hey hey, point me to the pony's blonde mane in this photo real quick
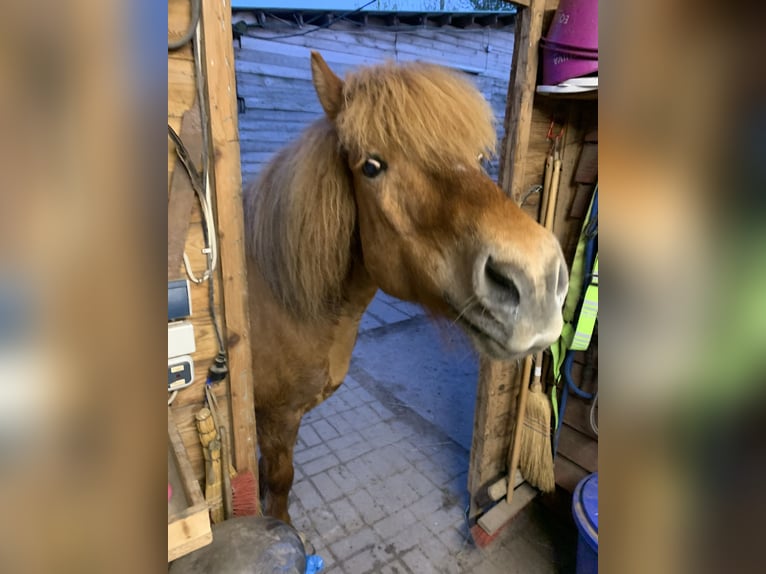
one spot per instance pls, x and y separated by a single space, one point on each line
432 114
301 215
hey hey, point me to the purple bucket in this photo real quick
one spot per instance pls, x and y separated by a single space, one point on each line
587 54
560 65
575 24
579 52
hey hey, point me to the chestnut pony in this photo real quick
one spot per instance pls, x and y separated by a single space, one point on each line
385 191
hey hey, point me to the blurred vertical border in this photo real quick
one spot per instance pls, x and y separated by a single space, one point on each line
82 236
682 449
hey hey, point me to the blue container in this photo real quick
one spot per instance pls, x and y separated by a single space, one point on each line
585 512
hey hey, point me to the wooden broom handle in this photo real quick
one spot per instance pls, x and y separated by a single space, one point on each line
522 411
550 190
553 194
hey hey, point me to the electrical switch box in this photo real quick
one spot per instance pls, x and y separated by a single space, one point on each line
180 372
179 300
180 339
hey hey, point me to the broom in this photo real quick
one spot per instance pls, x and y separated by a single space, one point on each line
240 488
211 449
536 456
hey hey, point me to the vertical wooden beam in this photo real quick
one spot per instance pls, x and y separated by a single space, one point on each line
521 94
499 383
218 59
495 405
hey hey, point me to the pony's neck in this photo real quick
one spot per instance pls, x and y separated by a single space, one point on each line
358 287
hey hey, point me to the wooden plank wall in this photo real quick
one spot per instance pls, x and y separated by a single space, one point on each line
499 382
577 454
578 446
274 77
181 97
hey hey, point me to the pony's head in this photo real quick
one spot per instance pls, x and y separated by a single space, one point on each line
434 228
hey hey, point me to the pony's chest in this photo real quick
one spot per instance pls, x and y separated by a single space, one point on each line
339 352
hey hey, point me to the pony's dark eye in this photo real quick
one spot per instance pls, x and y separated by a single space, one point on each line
372 166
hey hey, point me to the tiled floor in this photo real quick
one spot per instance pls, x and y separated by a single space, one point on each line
381 466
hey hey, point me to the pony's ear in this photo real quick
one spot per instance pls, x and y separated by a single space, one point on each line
328 86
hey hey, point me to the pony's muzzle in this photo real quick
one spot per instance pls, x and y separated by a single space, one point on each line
525 306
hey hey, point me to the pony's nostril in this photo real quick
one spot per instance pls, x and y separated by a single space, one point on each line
502 284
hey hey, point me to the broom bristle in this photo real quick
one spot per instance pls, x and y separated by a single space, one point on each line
536 458
244 498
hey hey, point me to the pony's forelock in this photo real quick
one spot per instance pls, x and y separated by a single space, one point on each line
432 114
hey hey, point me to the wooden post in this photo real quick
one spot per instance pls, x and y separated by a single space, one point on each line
521 95
499 383
495 404
218 63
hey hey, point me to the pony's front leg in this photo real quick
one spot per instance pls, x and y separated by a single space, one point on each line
277 433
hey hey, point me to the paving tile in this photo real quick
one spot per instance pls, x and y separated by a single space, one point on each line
360 540
365 469
394 523
385 312
409 537
369 560
454 540
385 298
318 465
339 401
426 505
442 519
391 456
434 549
325 430
350 383
435 473
401 429
342 426
308 436
326 409
410 309
326 486
361 417
344 478
488 567
384 413
344 440
297 473
419 482
363 395
369 322
353 451
376 429
418 562
394 567
326 527
368 508
347 515
301 519
307 494
397 494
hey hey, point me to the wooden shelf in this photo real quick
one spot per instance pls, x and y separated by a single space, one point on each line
579 96
188 517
